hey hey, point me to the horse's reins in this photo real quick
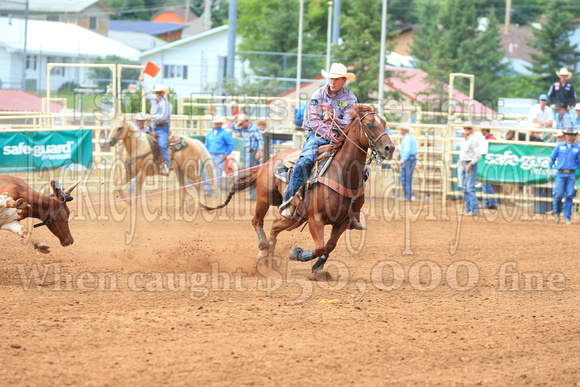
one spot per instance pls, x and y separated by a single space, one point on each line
372 142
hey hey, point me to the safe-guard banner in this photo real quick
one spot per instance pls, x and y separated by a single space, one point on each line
31 151
515 164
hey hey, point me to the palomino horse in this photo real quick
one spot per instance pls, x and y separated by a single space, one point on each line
333 200
140 162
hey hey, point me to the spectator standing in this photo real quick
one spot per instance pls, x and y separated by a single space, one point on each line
408 152
253 144
489 203
566 156
562 91
219 143
469 155
160 116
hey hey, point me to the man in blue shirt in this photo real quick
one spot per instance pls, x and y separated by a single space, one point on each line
220 144
566 155
160 115
253 144
408 152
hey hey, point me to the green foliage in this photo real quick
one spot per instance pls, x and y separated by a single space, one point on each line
239 88
103 76
553 44
449 42
523 86
361 46
272 26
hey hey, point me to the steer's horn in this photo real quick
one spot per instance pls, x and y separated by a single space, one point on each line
70 189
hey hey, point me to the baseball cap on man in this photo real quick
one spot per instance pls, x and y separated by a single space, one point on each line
543 97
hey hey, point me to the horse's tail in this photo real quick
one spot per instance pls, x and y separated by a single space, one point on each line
244 180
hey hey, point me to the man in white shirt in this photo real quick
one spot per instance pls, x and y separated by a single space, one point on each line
468 158
541 116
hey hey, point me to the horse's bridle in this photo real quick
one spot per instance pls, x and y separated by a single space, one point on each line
372 142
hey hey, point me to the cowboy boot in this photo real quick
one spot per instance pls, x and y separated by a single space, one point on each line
355 223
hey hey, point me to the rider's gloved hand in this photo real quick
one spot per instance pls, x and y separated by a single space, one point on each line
327 116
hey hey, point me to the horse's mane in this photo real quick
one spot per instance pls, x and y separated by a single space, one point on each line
357 112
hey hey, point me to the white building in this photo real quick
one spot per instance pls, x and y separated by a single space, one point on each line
193 65
51 42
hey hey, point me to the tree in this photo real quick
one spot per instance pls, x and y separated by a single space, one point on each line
553 43
272 26
360 49
449 41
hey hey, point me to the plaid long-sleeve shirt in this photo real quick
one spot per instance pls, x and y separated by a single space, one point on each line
252 136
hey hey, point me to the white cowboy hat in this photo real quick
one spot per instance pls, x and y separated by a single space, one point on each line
140 117
577 107
564 71
468 124
241 118
338 70
217 120
406 127
160 87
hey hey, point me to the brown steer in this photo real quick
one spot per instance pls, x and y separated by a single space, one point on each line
19 201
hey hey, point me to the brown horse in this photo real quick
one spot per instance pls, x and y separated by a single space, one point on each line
333 200
140 162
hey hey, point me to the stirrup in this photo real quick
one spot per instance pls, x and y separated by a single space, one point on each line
164 170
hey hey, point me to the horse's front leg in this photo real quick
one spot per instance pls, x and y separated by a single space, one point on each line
317 231
337 231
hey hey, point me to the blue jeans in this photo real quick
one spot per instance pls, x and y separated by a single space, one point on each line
407 176
218 160
564 189
488 189
304 164
468 182
252 162
162 135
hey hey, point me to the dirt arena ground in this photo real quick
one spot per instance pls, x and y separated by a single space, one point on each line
422 297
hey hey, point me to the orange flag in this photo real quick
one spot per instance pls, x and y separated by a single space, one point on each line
151 69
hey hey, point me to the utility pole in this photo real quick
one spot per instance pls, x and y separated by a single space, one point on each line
232 28
328 35
508 7
382 56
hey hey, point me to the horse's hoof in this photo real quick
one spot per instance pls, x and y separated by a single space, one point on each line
263 254
42 247
295 253
264 246
319 275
